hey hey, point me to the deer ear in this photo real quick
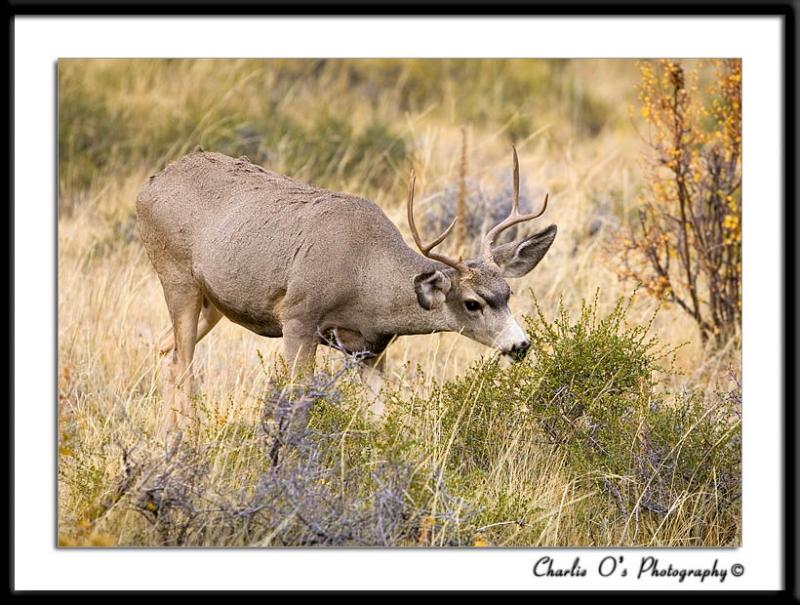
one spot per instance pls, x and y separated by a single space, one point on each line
516 259
432 288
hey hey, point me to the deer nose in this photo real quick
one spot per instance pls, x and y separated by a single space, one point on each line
519 350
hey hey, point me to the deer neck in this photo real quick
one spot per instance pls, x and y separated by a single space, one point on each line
400 311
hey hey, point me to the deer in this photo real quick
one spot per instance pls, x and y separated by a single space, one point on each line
282 258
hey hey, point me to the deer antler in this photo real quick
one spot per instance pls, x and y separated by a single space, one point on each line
513 218
459 264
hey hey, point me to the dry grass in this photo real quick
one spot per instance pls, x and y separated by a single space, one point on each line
140 114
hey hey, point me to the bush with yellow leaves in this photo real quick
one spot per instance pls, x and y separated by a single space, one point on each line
685 247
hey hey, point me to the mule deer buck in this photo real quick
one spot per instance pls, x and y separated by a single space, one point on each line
286 259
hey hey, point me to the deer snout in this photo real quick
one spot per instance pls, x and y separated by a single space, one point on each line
514 342
519 350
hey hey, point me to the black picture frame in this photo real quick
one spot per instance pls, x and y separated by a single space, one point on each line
784 9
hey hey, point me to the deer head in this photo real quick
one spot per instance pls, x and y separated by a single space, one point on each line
473 294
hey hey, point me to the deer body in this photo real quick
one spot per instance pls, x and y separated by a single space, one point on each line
285 259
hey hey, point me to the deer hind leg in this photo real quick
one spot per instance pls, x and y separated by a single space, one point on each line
184 302
209 317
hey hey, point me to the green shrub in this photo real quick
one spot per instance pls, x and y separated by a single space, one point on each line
594 389
480 413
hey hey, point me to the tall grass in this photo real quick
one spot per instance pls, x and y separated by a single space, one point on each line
356 126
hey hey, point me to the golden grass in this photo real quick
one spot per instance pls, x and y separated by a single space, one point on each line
111 309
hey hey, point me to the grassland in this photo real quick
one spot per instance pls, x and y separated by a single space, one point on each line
448 466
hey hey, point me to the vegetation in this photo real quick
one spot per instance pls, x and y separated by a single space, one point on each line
687 245
622 426
454 468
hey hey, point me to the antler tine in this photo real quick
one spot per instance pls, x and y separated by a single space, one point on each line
426 249
514 216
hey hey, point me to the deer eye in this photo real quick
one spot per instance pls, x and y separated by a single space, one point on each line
472 305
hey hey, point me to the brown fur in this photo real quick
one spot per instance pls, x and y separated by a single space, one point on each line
283 258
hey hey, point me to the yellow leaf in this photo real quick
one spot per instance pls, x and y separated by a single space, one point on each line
480 541
425 527
66 541
102 540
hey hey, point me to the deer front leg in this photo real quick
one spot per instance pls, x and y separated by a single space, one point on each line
291 413
372 374
300 348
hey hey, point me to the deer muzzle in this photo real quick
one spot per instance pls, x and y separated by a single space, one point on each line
513 341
